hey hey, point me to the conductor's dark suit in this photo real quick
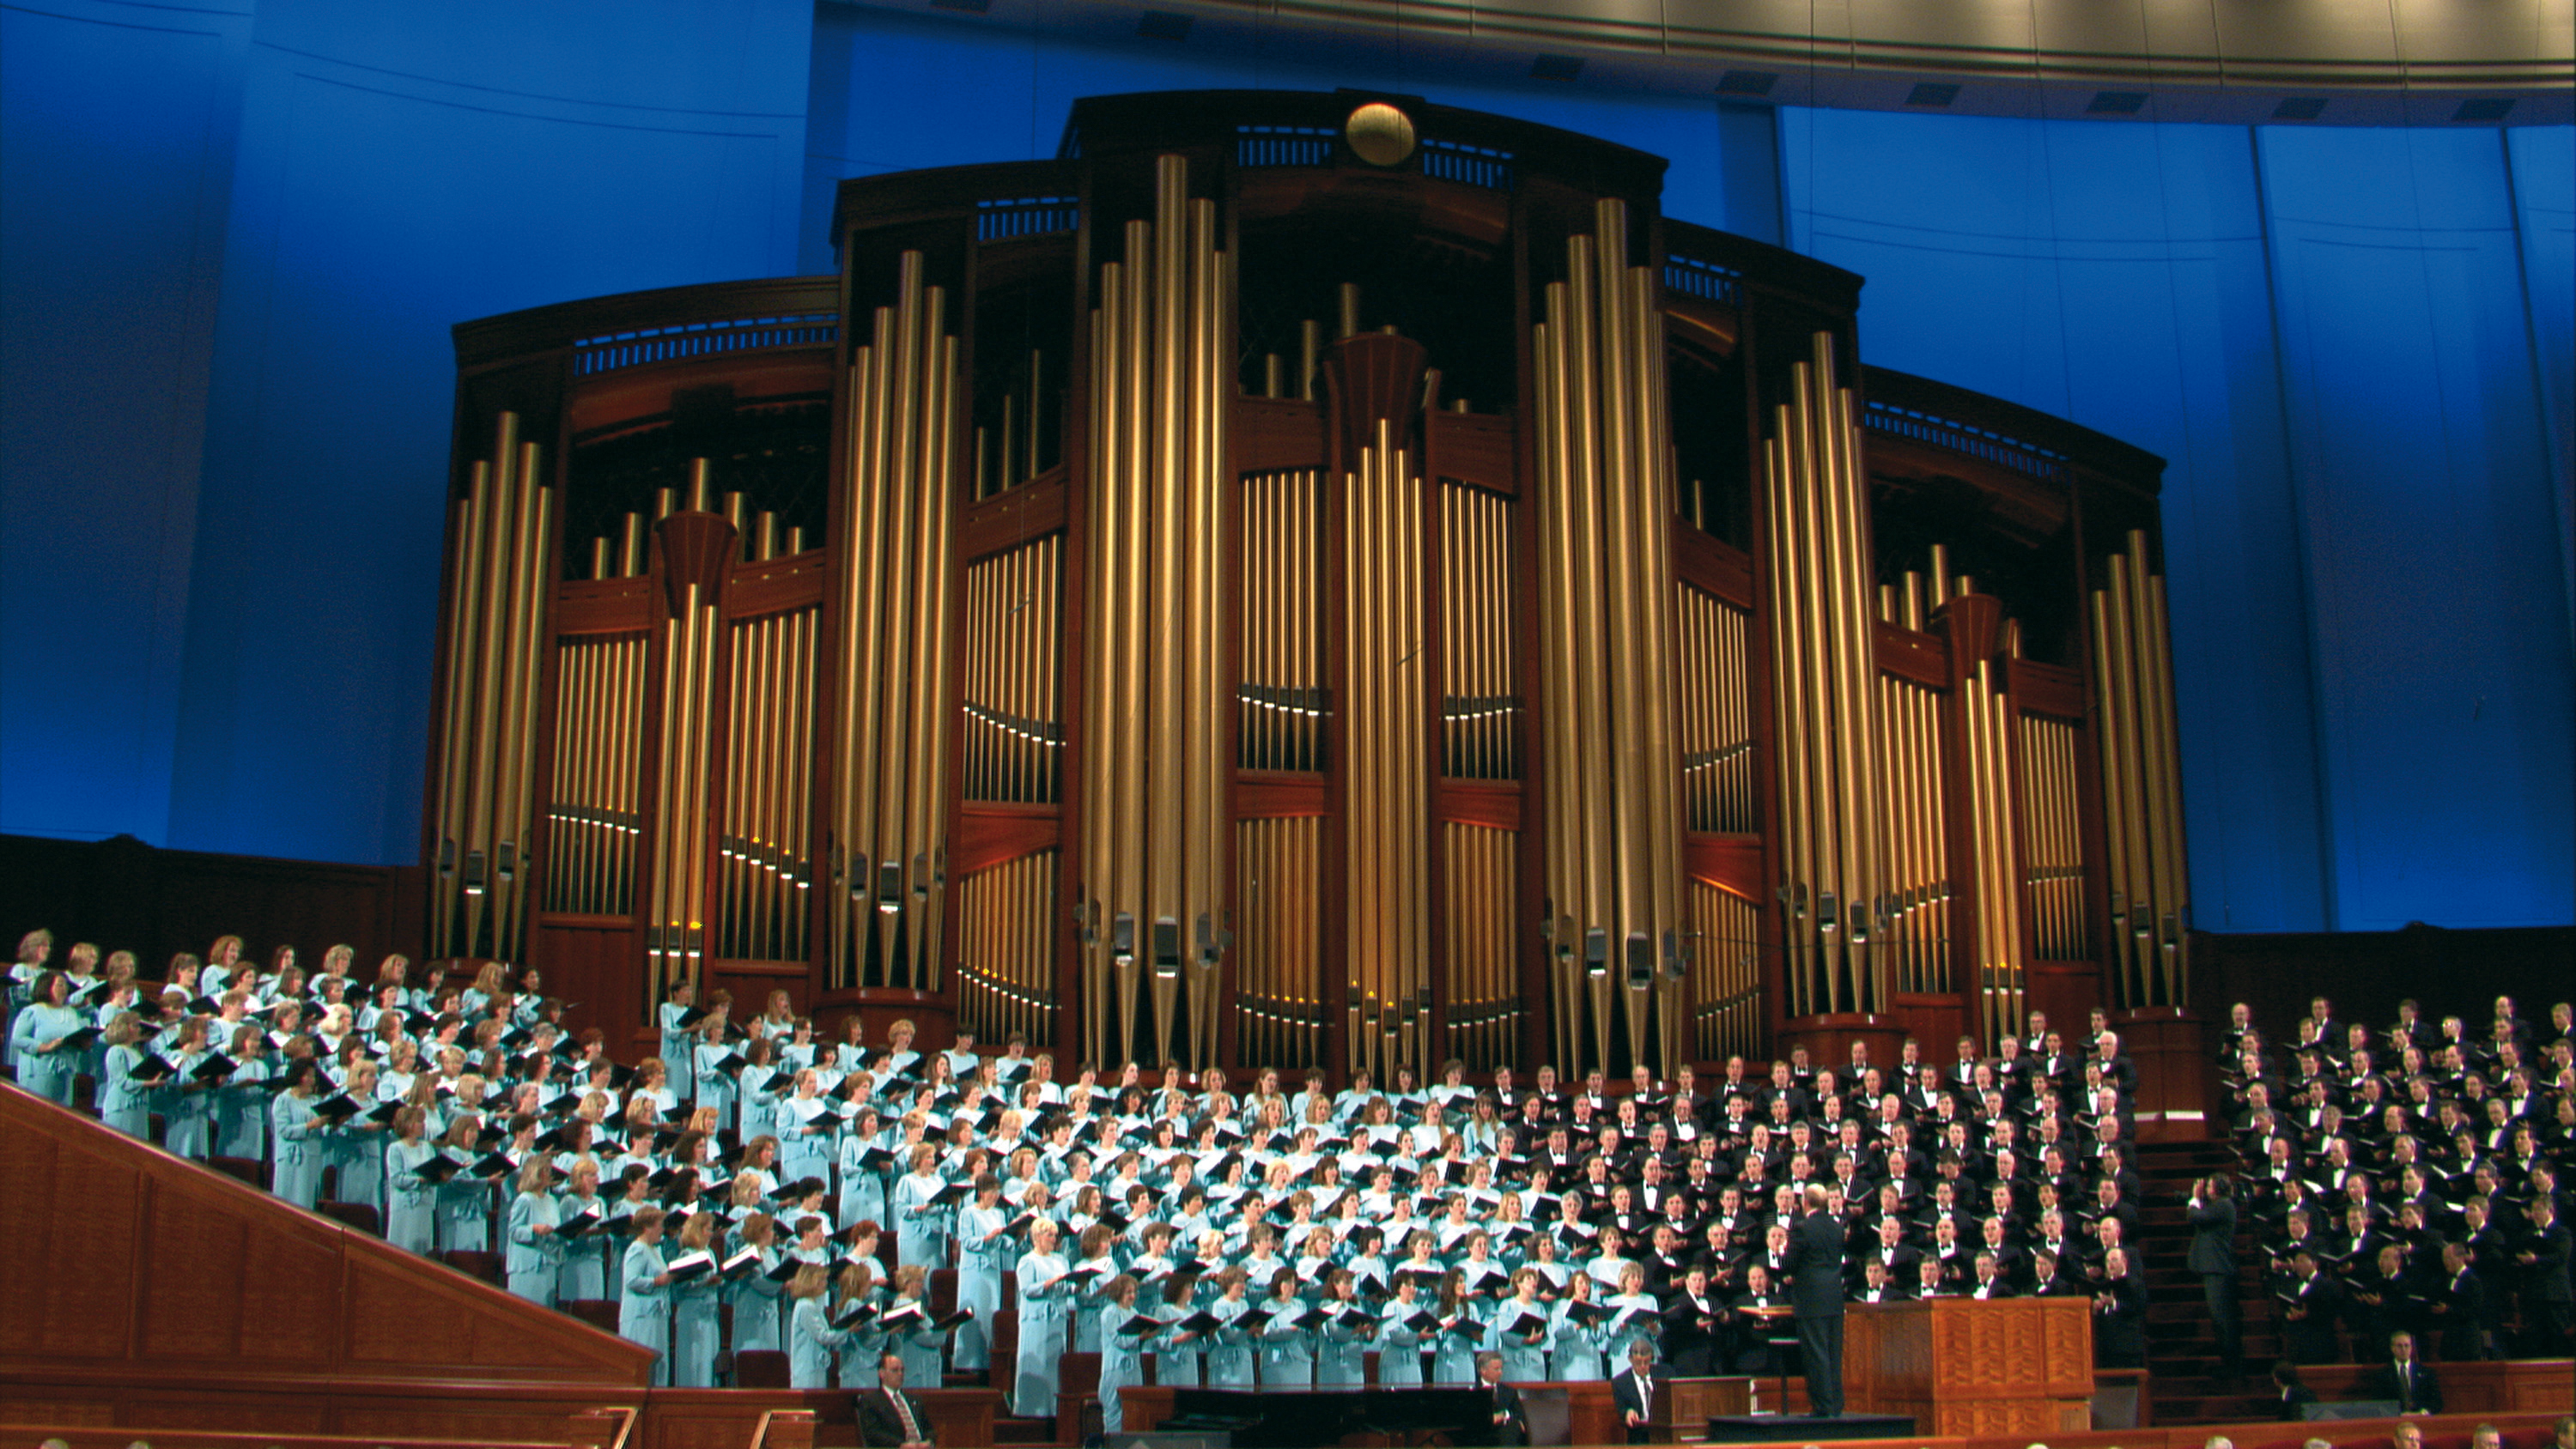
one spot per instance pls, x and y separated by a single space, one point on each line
1630 1394
1815 1266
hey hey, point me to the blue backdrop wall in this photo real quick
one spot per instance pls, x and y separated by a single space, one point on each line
236 233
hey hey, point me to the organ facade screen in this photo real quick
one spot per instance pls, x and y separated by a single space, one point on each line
1307 580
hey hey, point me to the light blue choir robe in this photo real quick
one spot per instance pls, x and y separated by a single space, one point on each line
47 1074
1574 1350
1287 1352
1341 1351
675 1042
122 1102
358 1154
921 1230
980 1265
1042 1307
1453 1361
1122 1362
863 1189
534 1260
755 1297
644 1307
584 1274
695 1332
241 1112
1399 1349
465 1213
920 1345
811 1338
1230 1352
302 1142
713 1087
411 1200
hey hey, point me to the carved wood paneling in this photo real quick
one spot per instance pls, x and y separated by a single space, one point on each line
137 1261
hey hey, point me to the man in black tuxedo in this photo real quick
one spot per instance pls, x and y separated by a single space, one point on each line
1506 1421
1815 1265
1632 1392
889 1418
2213 1259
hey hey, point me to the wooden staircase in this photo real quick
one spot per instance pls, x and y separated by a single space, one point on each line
2182 1349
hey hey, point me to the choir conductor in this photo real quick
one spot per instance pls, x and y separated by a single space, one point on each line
1815 1264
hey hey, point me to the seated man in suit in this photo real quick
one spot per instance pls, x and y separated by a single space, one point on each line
889 1418
2405 1379
1507 1423
1632 1392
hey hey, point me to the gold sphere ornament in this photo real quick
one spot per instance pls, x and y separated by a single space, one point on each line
1379 134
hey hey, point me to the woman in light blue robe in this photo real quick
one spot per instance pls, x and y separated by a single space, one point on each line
411 1218
46 1066
1287 1350
643 1304
124 1103
920 1221
811 1338
584 1274
694 1324
1122 1354
1044 1294
1230 1352
753 1293
984 1247
534 1258
1341 1357
1399 1343
1574 1347
301 1137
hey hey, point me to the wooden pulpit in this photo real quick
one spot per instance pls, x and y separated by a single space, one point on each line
2020 1366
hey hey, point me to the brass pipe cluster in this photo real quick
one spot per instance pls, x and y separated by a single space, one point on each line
1282 695
1386 776
1482 895
1726 974
1480 704
763 877
675 938
1914 723
1014 743
2052 837
593 821
1834 834
1985 716
1606 642
1154 788
1717 715
1278 962
889 787
498 588
1006 949
2149 939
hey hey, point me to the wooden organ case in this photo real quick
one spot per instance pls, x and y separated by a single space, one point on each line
1299 580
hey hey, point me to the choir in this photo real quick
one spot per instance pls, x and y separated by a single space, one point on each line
1241 1229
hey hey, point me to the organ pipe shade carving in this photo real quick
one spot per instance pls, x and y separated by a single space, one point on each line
1605 604
1006 949
1833 824
1279 951
1385 831
1014 743
2052 837
595 820
1481 898
763 880
2148 943
1726 973
1480 705
889 808
1716 715
1157 730
499 583
1284 703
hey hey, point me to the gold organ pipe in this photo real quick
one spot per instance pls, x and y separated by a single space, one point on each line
2137 827
2177 964
492 622
2163 823
599 557
1348 300
630 546
463 606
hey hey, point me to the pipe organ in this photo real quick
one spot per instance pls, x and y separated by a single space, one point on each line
1318 581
